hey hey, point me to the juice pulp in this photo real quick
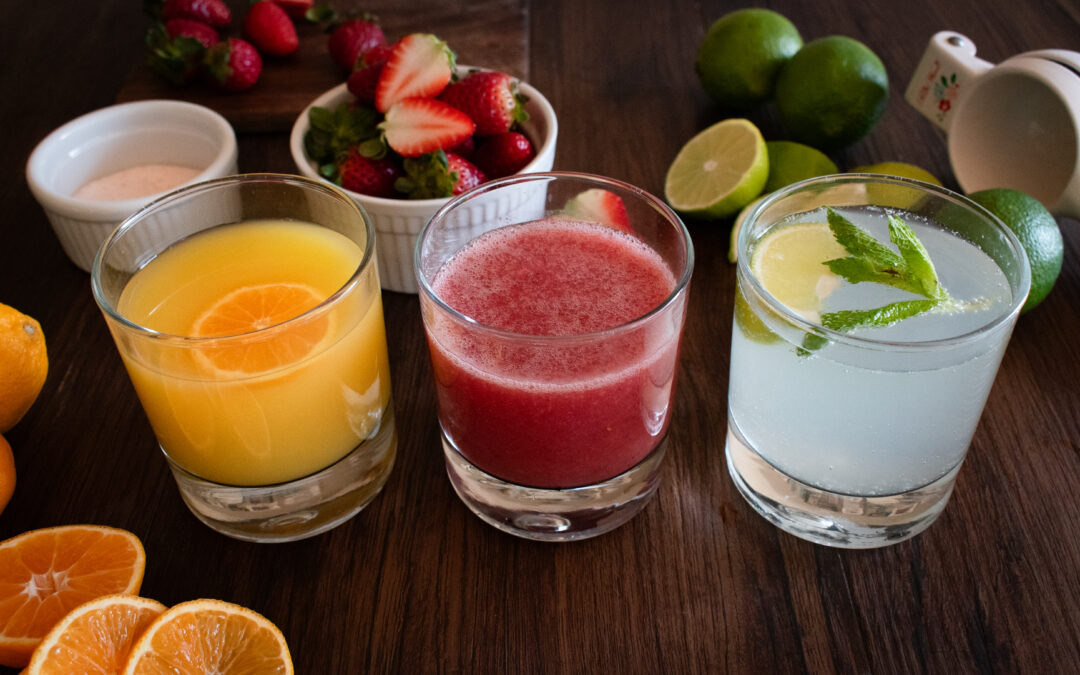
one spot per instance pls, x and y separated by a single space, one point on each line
873 421
273 425
555 410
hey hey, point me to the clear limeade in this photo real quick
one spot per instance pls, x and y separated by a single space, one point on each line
873 421
219 412
538 413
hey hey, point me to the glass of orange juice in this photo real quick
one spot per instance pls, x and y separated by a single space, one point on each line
247 311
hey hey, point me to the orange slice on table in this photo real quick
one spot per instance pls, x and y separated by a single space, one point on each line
210 636
256 308
46 573
95 637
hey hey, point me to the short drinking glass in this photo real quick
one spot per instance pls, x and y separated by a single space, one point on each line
248 314
554 307
852 435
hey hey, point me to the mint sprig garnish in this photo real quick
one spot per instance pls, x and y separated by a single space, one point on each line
869 260
849 319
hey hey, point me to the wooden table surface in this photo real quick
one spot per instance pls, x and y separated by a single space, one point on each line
697 582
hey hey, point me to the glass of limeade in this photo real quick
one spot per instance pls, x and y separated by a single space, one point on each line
554 334
853 436
248 313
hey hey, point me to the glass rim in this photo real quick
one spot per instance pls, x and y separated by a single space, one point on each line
812 327
681 283
133 220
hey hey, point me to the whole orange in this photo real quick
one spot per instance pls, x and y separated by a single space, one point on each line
23 365
7 473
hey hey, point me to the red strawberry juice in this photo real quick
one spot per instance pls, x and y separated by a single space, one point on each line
554 390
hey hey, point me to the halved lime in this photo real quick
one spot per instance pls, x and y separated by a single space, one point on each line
789 162
789 262
718 171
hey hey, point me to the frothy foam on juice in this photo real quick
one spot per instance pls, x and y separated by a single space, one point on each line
555 277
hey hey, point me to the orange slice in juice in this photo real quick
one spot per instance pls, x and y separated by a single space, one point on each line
250 309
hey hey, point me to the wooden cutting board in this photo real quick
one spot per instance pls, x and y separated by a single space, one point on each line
493 39
284 89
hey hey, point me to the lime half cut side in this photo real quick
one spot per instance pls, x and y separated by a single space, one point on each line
789 262
718 171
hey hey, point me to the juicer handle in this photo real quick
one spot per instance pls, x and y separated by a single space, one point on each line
946 73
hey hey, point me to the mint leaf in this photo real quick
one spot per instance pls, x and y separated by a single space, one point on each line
916 258
849 319
871 261
856 270
861 244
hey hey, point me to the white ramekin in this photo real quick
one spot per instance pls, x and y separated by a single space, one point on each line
113 139
398 221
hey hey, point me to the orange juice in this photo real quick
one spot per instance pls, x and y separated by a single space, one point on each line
269 383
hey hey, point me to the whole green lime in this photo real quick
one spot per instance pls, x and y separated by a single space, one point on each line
901 169
1037 231
791 162
832 92
741 56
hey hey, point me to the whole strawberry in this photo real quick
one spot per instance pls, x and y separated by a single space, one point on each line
368 176
465 174
211 12
176 56
438 174
194 29
352 38
489 98
233 64
363 81
504 154
297 9
270 29
466 148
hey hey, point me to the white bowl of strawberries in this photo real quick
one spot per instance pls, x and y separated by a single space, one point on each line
410 129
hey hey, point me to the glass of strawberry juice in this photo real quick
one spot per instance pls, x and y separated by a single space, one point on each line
554 335
248 314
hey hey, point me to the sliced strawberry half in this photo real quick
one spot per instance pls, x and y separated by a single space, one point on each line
420 65
599 206
414 126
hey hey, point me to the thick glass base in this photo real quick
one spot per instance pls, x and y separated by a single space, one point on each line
553 514
830 518
299 509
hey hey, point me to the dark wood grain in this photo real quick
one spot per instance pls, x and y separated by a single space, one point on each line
493 30
697 582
